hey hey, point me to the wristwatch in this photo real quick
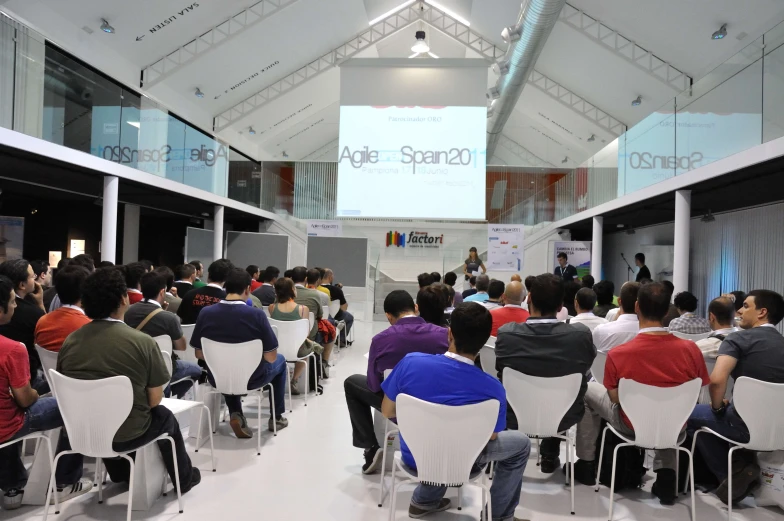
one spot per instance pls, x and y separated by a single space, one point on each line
720 410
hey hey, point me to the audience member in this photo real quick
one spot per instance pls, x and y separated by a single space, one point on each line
83 260
104 264
604 290
41 272
312 299
688 322
266 292
587 281
512 311
51 292
336 293
471 289
516 278
199 298
287 274
326 325
148 267
186 276
232 321
740 298
452 379
424 280
625 327
254 273
672 312
653 357
198 283
584 303
150 316
172 301
643 273
431 303
322 288
482 285
436 276
721 315
565 270
544 347
407 333
22 412
106 347
53 328
450 279
570 292
529 282
133 277
757 351
495 295
313 281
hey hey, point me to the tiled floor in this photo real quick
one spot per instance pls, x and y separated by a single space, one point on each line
310 471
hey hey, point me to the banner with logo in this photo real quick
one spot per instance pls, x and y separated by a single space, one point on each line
11 237
317 228
414 239
578 255
505 247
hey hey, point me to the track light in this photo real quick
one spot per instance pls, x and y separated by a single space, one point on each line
565 159
199 94
708 217
105 27
720 34
511 34
501 67
592 138
493 93
251 131
636 102
420 45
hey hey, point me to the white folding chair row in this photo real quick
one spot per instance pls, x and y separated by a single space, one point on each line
291 335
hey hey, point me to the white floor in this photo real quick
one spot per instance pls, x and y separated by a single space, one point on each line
310 471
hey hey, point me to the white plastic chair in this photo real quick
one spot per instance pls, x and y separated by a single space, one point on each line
705 398
658 415
539 405
166 346
445 441
754 400
597 367
693 338
189 355
311 320
334 309
487 358
93 411
48 360
291 335
389 429
42 435
231 366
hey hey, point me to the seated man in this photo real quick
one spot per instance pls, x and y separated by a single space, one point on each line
452 379
512 311
266 292
482 285
407 333
431 303
22 412
106 347
604 290
254 273
84 260
424 280
41 271
53 328
757 351
653 357
495 292
336 293
199 267
544 347
186 275
172 301
584 302
450 279
149 316
623 328
688 322
206 295
133 276
233 321
471 288
721 315
312 300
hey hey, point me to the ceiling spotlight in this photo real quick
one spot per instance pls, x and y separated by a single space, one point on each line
708 217
420 45
511 34
285 154
493 93
636 102
105 27
251 131
199 94
592 138
501 67
720 34
565 159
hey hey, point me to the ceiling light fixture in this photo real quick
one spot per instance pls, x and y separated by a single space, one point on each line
708 217
449 13
199 94
251 131
432 55
636 102
421 45
720 34
501 67
493 93
592 138
105 27
374 21
511 34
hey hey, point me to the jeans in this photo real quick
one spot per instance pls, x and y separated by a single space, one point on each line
348 318
274 373
510 452
182 369
712 449
43 415
359 399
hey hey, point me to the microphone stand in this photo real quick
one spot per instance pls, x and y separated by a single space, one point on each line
629 268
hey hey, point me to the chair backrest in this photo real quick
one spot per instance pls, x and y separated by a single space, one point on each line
693 338
266 311
291 335
597 367
334 308
487 358
165 343
540 403
48 360
311 320
92 410
187 333
491 341
658 413
445 440
756 402
232 364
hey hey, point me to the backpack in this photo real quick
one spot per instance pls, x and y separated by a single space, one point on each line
630 464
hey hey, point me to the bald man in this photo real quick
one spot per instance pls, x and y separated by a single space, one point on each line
512 311
516 278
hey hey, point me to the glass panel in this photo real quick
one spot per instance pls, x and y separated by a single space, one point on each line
773 85
244 179
206 162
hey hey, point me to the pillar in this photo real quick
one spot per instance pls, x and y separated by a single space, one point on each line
596 248
680 270
131 234
111 189
217 238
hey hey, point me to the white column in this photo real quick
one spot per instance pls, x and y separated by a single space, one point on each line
596 248
131 234
111 189
680 271
217 227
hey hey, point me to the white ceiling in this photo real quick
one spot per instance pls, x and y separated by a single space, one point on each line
304 120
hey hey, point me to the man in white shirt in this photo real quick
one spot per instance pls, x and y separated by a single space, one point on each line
584 302
625 327
721 315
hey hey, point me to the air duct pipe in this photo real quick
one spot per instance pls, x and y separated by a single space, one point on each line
526 39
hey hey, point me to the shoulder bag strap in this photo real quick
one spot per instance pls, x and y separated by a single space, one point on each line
148 318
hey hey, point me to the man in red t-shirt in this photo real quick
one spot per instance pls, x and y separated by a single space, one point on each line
512 311
22 412
653 357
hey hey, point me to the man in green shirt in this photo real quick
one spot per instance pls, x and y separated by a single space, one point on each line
198 283
108 347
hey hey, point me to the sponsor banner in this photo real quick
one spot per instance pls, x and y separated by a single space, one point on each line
505 247
578 255
318 228
414 239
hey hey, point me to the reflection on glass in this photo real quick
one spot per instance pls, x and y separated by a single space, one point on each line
646 154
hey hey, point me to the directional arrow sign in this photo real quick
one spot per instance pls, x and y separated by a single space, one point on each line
139 38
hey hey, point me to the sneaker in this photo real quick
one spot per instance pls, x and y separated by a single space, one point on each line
584 472
281 423
195 480
81 487
295 387
664 486
743 482
373 457
325 367
240 426
416 512
12 499
549 464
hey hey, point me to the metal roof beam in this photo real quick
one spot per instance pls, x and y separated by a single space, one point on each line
523 153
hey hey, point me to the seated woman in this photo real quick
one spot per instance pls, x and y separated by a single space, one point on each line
285 309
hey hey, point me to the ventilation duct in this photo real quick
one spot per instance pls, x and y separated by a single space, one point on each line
526 39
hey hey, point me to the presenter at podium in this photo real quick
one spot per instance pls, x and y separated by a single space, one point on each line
472 264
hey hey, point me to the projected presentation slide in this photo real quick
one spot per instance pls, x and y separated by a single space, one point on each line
412 162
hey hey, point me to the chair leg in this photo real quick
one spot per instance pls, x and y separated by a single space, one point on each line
176 474
288 381
612 480
99 478
307 378
677 469
573 449
601 457
51 489
729 483
568 467
272 408
691 472
198 430
258 412
130 489
690 475
460 498
538 452
212 446
383 463
393 492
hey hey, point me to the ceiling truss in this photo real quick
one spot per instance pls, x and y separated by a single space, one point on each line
523 153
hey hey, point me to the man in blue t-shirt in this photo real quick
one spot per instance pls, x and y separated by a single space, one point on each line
233 321
452 379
